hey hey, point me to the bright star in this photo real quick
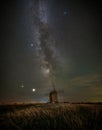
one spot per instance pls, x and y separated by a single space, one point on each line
33 90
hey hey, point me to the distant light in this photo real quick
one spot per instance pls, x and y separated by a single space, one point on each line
33 89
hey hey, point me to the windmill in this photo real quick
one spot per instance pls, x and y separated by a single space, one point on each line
53 95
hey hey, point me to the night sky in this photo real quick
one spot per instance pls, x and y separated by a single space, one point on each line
64 43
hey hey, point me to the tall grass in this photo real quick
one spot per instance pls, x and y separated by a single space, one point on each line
50 117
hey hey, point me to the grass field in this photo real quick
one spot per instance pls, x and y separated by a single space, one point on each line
61 116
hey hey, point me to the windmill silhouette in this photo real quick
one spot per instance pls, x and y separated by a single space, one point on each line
53 94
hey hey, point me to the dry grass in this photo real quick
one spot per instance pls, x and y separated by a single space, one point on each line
50 117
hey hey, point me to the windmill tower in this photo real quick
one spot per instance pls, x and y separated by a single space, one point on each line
53 95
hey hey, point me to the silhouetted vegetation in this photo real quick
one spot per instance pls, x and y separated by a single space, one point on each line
62 116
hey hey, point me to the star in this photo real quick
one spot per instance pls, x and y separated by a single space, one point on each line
33 90
65 13
31 44
22 86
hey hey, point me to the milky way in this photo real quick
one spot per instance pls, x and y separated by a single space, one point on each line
46 50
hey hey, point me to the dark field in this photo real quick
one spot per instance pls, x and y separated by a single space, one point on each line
62 116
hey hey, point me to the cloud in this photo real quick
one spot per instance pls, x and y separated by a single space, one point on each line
87 80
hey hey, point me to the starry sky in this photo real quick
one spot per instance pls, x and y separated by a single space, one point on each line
65 39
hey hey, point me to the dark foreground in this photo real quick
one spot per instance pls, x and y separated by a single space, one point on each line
61 116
